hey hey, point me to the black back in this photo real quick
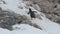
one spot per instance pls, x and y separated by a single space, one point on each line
32 14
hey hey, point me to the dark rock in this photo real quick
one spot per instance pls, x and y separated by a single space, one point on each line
8 18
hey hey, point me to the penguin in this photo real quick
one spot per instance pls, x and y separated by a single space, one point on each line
32 14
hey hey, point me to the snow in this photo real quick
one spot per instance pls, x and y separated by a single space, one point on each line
27 29
22 29
48 26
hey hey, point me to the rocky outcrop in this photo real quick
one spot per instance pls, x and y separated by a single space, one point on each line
9 18
51 8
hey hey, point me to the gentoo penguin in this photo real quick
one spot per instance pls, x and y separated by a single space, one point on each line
32 14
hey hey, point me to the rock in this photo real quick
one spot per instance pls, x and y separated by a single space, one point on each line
51 8
8 18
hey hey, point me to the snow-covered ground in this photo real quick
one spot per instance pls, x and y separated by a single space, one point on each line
22 29
48 27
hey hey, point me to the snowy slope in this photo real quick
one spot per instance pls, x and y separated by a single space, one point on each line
22 29
47 26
